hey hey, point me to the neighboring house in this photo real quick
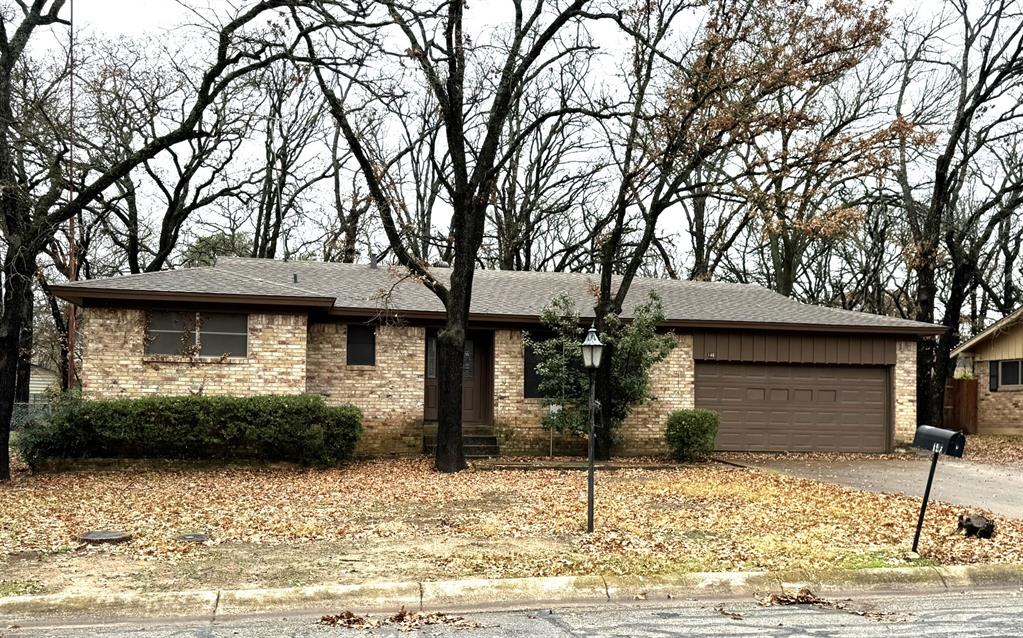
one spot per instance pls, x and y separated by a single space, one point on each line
995 358
41 382
783 375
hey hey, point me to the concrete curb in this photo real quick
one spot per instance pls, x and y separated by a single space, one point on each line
504 593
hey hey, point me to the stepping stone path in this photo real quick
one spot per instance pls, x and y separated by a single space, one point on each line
100 536
194 538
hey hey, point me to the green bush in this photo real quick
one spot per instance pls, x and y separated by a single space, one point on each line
691 433
302 429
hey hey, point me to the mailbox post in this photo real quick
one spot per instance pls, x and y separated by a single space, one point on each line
938 442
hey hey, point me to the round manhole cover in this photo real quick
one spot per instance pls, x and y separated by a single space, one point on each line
99 536
197 537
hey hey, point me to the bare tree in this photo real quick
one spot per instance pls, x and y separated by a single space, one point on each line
35 179
721 79
961 89
446 63
289 168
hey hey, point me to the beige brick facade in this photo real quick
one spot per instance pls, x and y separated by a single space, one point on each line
114 364
905 391
517 419
672 384
289 355
999 412
390 393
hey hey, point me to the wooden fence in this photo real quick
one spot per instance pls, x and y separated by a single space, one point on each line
961 405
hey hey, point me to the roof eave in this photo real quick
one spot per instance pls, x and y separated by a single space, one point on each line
78 294
986 334
922 329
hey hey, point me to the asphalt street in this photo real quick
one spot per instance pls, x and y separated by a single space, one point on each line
988 613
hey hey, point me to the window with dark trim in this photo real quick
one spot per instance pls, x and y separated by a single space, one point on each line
1011 373
204 334
362 345
530 360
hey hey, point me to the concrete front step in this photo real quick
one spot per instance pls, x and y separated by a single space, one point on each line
479 441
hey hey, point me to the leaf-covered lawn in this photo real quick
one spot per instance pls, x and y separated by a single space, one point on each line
399 519
995 449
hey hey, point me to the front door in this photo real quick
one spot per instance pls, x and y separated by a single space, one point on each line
475 379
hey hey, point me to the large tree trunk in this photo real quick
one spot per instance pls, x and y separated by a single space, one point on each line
450 453
604 431
22 391
605 399
926 292
19 268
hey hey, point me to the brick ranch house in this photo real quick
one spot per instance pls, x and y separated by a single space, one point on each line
995 358
783 375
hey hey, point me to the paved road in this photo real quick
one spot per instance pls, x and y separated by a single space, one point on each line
998 488
988 614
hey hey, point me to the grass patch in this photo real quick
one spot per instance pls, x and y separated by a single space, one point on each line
878 559
20 588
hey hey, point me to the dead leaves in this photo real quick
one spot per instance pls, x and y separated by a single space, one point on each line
994 449
404 620
806 597
493 524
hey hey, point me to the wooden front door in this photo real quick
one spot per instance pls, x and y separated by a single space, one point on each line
475 379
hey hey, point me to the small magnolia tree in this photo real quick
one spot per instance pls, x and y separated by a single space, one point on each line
564 381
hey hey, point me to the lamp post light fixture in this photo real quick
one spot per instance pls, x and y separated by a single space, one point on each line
593 351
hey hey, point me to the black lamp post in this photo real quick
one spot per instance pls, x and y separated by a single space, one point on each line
593 350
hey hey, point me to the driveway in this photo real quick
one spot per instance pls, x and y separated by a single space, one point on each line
998 488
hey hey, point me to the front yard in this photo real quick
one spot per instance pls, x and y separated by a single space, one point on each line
398 520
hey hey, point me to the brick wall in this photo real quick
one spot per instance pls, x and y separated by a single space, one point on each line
999 412
517 419
114 364
673 388
390 393
905 391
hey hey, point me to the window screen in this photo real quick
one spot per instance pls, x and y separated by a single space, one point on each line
171 333
1010 373
362 345
207 334
223 334
530 377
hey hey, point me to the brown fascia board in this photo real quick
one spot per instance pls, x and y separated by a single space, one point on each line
77 295
720 325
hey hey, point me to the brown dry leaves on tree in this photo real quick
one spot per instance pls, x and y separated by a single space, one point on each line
496 524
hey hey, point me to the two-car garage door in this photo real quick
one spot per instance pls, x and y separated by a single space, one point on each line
796 407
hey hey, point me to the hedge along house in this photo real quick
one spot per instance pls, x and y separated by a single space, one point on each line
783 375
995 358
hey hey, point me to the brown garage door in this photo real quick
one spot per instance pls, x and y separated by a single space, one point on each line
795 407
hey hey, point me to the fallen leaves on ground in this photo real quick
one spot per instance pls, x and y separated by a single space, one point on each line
404 620
493 524
806 597
998 450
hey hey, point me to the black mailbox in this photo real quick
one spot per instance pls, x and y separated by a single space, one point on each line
940 441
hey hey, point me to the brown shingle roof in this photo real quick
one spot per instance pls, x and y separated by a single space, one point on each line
497 294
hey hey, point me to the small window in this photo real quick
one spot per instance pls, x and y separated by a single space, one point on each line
206 334
431 357
530 361
362 345
1010 373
